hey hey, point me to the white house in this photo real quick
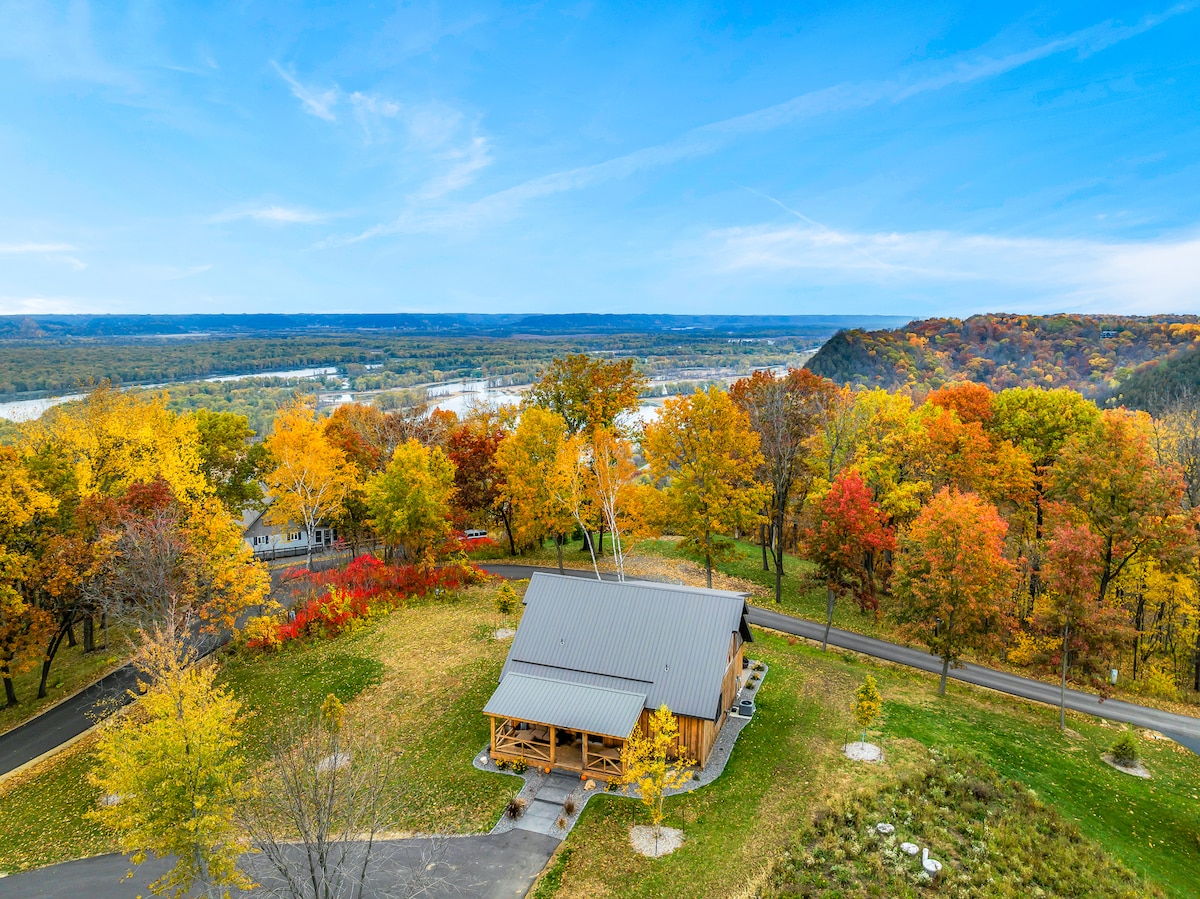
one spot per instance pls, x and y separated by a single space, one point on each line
272 541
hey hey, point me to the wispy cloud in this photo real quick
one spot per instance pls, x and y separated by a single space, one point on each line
46 306
279 215
55 252
709 138
1126 275
314 100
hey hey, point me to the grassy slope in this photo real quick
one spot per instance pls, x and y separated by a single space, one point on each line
426 669
786 762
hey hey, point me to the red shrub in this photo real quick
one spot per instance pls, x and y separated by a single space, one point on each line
328 602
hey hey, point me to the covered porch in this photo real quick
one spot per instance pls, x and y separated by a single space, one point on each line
544 744
560 724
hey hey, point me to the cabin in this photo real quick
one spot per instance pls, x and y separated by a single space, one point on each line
270 541
592 660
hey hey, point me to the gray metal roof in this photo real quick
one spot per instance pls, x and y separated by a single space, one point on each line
673 640
597 710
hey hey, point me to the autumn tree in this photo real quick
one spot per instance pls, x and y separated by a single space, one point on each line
472 446
230 460
170 774
786 413
310 477
867 704
655 762
111 440
952 580
24 626
588 393
705 453
410 500
1087 633
845 542
530 464
1107 476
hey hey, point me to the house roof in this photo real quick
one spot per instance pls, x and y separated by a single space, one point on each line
666 642
597 710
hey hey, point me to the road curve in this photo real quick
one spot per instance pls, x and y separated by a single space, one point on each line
1183 729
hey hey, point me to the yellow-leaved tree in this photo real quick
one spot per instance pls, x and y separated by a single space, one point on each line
169 776
867 704
703 449
656 762
309 476
409 501
24 626
111 440
529 460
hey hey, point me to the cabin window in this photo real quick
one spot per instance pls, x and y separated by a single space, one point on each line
292 536
261 540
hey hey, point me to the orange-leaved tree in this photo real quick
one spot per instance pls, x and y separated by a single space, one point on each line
953 585
704 451
845 541
1108 477
309 476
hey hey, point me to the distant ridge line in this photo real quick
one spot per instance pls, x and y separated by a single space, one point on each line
33 327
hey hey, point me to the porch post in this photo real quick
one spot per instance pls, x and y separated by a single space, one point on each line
492 745
552 742
586 739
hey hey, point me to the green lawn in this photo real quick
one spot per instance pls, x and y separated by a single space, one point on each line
786 764
1153 825
420 675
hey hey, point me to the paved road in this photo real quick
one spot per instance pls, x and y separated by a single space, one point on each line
503 866
74 716
1183 729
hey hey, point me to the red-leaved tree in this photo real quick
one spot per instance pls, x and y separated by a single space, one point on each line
1090 632
845 543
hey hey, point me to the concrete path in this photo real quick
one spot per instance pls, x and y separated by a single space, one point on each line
1183 729
546 806
502 866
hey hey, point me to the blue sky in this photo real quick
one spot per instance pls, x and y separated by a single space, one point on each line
897 158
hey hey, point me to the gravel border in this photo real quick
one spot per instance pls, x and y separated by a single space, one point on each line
719 756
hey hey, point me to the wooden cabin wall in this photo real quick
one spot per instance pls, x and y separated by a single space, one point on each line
697 735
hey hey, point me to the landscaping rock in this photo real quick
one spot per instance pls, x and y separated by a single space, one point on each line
1137 769
642 839
863 752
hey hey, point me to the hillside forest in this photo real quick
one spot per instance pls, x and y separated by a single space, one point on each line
1092 354
1010 526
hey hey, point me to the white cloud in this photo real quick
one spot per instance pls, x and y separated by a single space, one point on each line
281 215
1134 276
315 101
173 273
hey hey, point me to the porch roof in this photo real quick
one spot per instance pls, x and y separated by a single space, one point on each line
583 707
